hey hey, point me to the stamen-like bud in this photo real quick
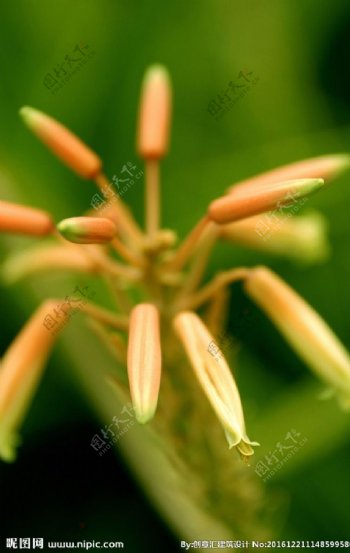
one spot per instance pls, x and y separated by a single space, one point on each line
155 113
21 369
324 167
87 230
215 378
64 144
144 360
251 201
20 219
303 328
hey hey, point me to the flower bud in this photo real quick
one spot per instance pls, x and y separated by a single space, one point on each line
251 201
302 238
303 328
215 378
20 219
144 360
324 167
155 113
87 230
20 373
63 143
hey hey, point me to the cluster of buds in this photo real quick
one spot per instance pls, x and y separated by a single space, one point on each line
110 243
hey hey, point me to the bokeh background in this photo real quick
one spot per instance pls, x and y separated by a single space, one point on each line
60 488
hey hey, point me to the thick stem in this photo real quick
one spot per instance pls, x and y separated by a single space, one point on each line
152 197
120 322
109 266
199 263
221 280
189 245
124 251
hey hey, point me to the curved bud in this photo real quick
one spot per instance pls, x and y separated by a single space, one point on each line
87 230
20 219
215 378
144 360
47 258
63 143
302 238
20 373
155 113
303 328
324 167
251 201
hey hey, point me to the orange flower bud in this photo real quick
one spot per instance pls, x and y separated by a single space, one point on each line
64 144
20 219
144 360
254 200
87 230
155 112
303 328
323 167
20 373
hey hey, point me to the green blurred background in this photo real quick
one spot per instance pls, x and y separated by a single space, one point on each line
60 488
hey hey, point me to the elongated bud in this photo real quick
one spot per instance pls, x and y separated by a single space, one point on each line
64 144
155 113
215 378
324 167
302 238
87 230
20 373
303 328
144 360
20 219
46 258
248 202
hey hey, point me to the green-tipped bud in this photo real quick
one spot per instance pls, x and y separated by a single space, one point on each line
155 113
248 201
62 142
87 230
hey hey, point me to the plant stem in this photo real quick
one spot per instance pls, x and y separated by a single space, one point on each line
152 199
